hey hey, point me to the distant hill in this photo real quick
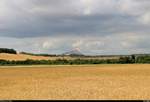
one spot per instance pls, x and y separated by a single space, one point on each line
75 52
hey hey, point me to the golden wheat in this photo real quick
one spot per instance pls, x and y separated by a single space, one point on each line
75 82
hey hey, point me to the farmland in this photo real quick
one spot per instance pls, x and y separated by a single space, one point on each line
22 57
75 82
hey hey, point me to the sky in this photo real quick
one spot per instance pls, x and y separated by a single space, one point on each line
96 27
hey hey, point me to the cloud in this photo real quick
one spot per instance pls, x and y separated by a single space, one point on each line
47 45
113 44
34 18
94 26
145 19
77 44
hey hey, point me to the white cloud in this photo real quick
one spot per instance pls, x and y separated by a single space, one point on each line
77 44
94 44
134 7
145 18
47 45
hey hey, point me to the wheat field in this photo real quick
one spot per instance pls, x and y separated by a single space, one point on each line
75 82
22 57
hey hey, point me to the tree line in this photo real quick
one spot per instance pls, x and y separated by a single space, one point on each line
6 50
122 60
32 54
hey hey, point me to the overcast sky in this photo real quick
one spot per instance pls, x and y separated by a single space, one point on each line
93 26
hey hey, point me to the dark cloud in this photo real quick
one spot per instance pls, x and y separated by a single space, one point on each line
78 25
33 18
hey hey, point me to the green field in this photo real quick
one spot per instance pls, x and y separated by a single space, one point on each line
75 82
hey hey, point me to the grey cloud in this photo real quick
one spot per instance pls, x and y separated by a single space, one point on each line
80 25
33 18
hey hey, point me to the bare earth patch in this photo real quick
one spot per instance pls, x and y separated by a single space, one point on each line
76 82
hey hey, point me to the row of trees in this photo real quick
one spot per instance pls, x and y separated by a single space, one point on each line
6 50
122 60
143 59
55 62
32 54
